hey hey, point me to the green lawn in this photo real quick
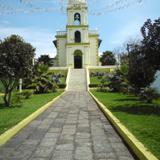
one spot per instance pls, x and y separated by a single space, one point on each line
95 79
62 72
142 119
11 116
100 70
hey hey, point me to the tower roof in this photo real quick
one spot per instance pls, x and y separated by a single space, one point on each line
76 1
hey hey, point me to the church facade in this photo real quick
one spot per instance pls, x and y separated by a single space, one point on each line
77 47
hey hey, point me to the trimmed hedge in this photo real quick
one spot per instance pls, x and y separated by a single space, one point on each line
61 86
93 85
97 85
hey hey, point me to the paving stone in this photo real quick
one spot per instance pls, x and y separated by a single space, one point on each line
83 153
105 155
48 142
62 155
86 140
54 130
51 135
73 128
43 151
83 129
38 159
82 135
65 147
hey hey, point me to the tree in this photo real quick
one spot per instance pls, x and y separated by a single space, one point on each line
42 80
46 60
124 59
108 58
151 42
140 73
16 58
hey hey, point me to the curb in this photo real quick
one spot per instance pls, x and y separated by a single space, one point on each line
136 146
14 130
67 79
88 78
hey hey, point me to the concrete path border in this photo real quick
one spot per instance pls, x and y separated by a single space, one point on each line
67 79
136 146
14 130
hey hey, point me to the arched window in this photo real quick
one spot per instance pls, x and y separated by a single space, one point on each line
77 19
77 37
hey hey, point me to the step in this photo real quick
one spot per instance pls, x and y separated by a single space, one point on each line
77 80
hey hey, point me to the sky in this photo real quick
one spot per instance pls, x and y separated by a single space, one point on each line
39 28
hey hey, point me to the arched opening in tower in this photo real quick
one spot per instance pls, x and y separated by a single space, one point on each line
77 19
77 37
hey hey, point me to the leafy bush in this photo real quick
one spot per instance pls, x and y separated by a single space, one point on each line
17 99
56 78
42 81
19 96
93 85
115 82
27 94
97 74
108 58
61 86
149 94
103 88
1 87
53 88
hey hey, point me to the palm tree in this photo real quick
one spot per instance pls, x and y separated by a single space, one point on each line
42 81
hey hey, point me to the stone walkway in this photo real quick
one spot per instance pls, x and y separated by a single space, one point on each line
73 128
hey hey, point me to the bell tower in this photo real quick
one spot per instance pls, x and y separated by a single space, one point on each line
77 25
77 46
77 10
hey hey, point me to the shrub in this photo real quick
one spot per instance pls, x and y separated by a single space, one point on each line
53 87
115 82
103 88
42 81
149 94
93 85
1 87
61 86
56 78
27 94
97 74
19 96
17 99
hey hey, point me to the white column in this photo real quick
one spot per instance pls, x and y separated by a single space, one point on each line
20 85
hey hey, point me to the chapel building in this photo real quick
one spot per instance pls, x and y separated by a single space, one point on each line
77 47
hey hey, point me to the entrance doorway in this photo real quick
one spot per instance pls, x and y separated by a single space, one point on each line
78 59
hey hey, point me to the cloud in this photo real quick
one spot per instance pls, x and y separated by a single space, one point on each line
41 39
5 22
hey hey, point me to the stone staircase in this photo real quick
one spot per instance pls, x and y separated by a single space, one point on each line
77 80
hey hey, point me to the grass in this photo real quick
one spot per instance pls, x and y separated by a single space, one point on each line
13 115
142 119
62 72
104 70
96 79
